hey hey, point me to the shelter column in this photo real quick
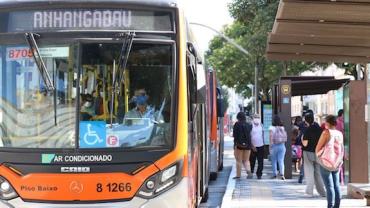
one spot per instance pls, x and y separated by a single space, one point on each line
285 88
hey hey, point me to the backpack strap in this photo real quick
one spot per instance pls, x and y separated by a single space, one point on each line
326 131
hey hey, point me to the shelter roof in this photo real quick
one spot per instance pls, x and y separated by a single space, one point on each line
310 85
321 30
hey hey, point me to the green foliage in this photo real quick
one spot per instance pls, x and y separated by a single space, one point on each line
350 69
254 19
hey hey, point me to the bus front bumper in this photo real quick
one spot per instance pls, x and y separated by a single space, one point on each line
173 198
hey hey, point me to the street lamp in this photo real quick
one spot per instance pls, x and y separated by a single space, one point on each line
240 48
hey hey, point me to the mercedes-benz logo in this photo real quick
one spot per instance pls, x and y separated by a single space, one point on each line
76 187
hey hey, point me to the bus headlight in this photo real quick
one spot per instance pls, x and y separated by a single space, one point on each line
168 173
161 181
7 192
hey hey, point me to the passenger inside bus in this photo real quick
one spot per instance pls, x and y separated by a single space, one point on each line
98 103
87 107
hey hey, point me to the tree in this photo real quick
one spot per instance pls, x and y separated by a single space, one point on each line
225 99
253 20
350 69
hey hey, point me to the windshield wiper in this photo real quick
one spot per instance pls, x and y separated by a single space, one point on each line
49 85
119 73
30 37
127 39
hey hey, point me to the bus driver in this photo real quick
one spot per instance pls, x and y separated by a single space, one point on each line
142 109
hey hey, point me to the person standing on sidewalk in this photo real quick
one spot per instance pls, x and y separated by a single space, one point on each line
278 137
242 144
331 150
340 121
340 127
302 126
311 166
258 144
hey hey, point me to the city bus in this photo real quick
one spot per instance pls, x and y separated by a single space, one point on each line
215 119
102 104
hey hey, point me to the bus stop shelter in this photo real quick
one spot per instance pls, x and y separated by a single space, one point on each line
321 31
290 86
328 31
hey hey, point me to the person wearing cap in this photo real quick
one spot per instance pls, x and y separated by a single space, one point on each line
142 109
258 145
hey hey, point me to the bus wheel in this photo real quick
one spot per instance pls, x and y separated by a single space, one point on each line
213 176
205 196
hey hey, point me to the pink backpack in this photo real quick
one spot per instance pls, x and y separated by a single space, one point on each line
296 151
331 155
279 135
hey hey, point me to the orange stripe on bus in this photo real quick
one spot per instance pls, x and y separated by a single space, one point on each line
181 148
81 187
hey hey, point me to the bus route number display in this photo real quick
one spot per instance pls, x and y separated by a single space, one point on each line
19 53
113 187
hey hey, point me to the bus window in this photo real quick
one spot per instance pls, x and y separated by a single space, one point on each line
31 116
140 117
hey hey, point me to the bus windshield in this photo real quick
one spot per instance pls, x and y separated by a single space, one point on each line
141 109
27 107
77 114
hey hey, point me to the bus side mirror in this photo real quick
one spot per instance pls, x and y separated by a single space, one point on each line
220 107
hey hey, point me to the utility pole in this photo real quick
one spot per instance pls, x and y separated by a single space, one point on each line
250 86
256 109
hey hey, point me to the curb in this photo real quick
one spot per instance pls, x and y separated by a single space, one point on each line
227 198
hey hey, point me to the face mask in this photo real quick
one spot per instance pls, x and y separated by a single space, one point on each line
256 121
88 104
141 99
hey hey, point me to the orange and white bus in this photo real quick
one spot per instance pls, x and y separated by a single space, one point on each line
215 119
102 102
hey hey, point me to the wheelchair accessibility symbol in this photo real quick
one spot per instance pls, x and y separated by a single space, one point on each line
92 134
91 137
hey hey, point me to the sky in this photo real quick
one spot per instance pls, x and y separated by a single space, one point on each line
213 13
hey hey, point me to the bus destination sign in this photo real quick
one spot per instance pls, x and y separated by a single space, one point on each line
82 19
85 19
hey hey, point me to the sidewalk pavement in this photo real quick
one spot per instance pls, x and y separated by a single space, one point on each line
253 193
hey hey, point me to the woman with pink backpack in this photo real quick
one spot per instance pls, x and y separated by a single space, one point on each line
330 151
278 137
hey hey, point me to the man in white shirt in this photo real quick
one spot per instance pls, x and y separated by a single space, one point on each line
258 144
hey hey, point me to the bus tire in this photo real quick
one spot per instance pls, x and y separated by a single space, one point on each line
213 176
205 196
